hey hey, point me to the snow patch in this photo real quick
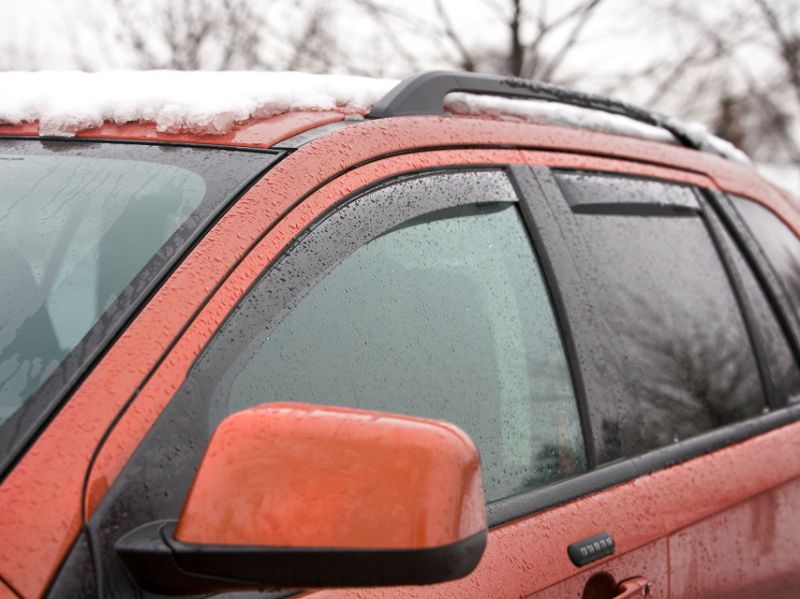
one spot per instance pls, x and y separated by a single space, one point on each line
203 102
65 102
723 146
554 113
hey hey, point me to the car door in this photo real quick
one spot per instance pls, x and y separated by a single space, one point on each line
424 294
754 544
685 354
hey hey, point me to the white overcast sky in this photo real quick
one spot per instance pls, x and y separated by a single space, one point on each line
46 29
44 34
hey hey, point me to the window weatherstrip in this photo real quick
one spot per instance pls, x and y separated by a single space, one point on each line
526 504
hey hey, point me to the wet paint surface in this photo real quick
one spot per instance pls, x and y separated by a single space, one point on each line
256 133
751 551
6 592
543 568
40 501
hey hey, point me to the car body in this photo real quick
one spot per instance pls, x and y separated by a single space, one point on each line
660 334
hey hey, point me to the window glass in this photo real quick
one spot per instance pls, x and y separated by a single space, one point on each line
85 230
445 316
779 243
780 362
665 349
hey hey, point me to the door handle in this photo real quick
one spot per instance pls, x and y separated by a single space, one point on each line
634 588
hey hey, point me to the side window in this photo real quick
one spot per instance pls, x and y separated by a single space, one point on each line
414 299
780 364
780 244
664 350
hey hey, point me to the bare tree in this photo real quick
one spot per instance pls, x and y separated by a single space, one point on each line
786 41
732 65
210 35
740 73
18 57
535 37
203 34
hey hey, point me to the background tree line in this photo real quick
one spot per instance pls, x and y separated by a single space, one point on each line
733 65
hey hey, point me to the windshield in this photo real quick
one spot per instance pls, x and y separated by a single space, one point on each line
77 228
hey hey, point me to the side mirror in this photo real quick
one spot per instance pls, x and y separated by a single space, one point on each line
296 495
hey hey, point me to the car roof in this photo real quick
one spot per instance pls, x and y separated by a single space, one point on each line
264 132
257 108
204 105
263 110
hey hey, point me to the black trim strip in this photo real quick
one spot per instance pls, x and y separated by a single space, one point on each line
159 563
144 142
533 186
713 227
771 284
524 504
292 143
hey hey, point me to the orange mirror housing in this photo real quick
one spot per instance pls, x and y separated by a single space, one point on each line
299 475
299 495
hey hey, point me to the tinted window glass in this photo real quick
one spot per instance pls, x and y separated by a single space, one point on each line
665 350
444 316
780 362
779 243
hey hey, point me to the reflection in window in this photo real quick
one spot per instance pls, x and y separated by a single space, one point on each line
668 356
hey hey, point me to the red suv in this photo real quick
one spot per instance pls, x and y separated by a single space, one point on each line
229 361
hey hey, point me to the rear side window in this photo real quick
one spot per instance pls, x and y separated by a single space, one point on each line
444 315
666 354
780 244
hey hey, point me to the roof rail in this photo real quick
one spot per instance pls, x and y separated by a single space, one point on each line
424 94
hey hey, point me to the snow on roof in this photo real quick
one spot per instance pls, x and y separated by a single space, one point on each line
65 102
204 102
554 113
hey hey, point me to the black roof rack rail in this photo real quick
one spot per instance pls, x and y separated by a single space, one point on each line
424 93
